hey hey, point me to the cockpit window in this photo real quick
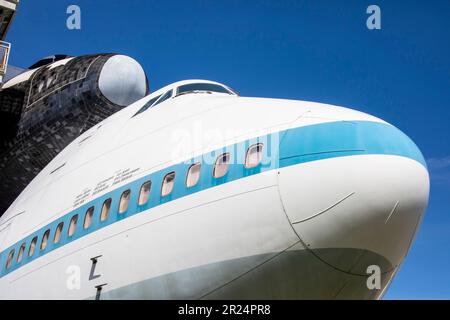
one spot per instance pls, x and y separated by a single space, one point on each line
156 100
163 98
147 105
201 87
184 89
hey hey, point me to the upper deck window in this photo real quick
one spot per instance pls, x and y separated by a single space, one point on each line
144 194
254 155
221 165
201 87
105 209
21 251
124 201
168 183
32 246
45 239
72 225
58 232
10 259
193 175
88 218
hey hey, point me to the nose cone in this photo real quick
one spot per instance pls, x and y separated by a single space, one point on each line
122 80
354 192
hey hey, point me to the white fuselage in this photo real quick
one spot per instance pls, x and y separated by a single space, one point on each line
337 191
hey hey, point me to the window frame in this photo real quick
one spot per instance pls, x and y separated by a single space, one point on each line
149 182
119 209
46 237
58 234
32 248
225 88
188 174
163 98
148 105
89 213
164 183
105 217
256 145
21 252
216 164
72 229
10 258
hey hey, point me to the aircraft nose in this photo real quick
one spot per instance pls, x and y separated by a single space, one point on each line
122 80
354 192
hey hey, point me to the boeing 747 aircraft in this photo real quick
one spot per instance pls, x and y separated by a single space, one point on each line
195 192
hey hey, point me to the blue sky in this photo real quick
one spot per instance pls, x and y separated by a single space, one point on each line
308 50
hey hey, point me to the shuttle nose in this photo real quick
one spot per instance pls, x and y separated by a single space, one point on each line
354 192
122 80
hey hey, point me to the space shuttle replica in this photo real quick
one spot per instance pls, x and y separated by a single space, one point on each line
58 98
193 191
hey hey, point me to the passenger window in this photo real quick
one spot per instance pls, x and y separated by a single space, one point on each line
72 225
168 183
58 232
21 251
32 246
221 165
88 218
124 201
105 209
10 259
193 175
254 155
144 194
45 240
164 97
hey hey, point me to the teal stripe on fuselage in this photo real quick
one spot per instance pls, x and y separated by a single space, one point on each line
285 148
337 139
